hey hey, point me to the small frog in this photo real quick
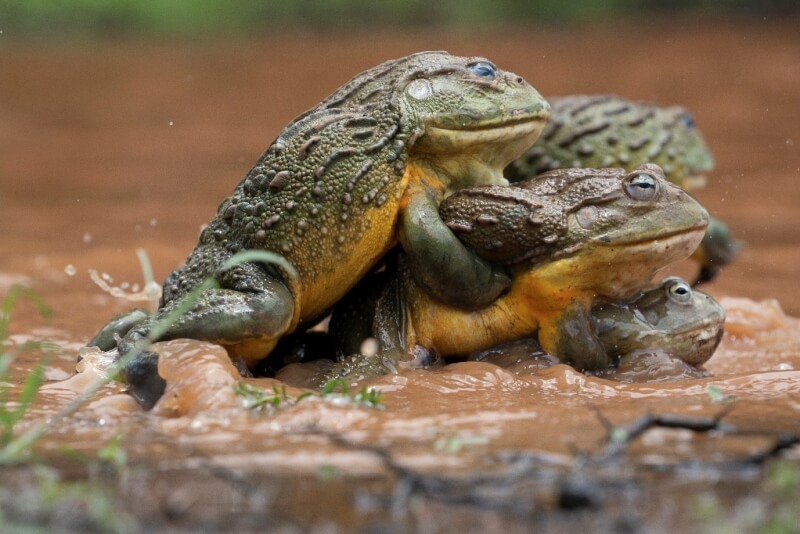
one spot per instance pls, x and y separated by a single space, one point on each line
609 131
338 188
670 318
569 237
665 323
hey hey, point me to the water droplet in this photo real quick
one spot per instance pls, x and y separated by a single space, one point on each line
70 270
87 238
171 123
153 221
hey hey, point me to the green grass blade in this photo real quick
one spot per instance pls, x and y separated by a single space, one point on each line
15 293
30 387
261 256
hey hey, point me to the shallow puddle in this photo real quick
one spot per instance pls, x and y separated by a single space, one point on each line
125 161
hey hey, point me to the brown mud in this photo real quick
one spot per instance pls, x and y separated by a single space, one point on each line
106 149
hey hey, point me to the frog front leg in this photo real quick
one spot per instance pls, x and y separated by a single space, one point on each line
108 336
440 263
247 314
569 336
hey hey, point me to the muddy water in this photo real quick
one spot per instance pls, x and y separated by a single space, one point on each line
104 150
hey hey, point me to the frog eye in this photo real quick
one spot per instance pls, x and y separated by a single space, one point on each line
679 291
483 69
687 120
641 186
420 89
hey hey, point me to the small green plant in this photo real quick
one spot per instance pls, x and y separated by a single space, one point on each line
12 413
371 398
256 399
335 390
716 395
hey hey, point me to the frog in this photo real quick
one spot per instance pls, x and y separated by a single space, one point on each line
341 185
569 237
670 318
666 323
667 331
611 131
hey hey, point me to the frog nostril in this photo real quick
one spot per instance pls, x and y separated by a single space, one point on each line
520 81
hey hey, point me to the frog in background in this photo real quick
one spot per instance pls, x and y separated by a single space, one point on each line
609 131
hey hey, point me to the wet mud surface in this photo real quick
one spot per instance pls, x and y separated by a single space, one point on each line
106 149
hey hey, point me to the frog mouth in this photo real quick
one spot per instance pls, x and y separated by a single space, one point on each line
666 240
707 331
524 122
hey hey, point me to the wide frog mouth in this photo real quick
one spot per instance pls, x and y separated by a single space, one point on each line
461 133
690 235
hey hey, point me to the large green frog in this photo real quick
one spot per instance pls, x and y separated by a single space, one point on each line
569 237
338 188
609 131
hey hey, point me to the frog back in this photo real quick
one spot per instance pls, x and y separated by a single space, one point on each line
324 196
609 131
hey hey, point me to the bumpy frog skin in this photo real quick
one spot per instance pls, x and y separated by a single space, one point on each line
609 131
671 318
338 188
669 321
569 237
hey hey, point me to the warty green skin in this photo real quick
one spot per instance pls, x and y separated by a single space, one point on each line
567 236
338 188
609 131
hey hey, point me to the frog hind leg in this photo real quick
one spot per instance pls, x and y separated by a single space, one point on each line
570 337
251 308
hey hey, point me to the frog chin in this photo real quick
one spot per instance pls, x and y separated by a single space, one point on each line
461 172
636 262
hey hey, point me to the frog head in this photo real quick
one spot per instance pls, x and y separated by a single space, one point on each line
466 117
671 318
603 229
461 119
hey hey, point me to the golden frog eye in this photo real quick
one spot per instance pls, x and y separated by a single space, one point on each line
641 186
679 291
483 69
